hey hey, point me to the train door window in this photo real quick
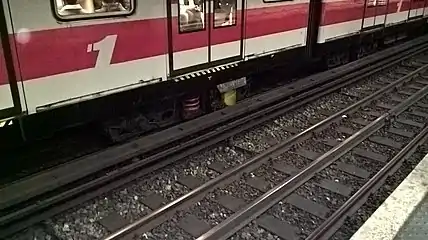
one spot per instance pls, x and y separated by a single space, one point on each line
78 9
191 15
224 13
376 3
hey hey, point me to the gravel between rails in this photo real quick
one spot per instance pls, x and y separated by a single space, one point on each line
372 107
82 222
392 136
365 89
338 176
256 139
377 148
330 133
36 232
407 127
367 164
267 173
412 117
252 231
167 230
206 209
320 195
293 160
292 215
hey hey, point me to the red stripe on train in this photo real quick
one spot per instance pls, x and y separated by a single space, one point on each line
51 52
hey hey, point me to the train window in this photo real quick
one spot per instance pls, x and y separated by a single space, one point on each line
224 13
376 3
77 9
192 15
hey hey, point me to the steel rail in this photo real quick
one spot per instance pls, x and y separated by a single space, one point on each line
330 226
156 216
244 216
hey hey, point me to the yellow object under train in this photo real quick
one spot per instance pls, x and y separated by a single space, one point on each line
229 98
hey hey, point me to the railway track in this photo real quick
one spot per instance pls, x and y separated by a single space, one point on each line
247 160
380 128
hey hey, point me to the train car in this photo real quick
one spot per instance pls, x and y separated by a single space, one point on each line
59 54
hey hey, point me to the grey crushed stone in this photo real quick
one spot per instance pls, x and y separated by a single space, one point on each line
252 231
338 176
377 148
227 155
255 139
346 122
418 84
361 114
373 108
315 146
267 173
412 117
168 230
418 108
293 159
296 217
388 102
320 195
398 125
81 223
239 189
367 164
207 210
330 133
402 96
365 88
36 232
392 136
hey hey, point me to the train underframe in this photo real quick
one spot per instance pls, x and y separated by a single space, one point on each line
141 111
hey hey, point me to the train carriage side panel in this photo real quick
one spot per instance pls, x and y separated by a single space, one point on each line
6 100
398 11
9 82
340 18
416 8
273 25
68 61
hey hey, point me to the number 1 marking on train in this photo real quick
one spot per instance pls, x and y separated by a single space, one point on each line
105 49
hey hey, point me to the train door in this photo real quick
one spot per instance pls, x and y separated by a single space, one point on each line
374 13
204 33
9 97
416 8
